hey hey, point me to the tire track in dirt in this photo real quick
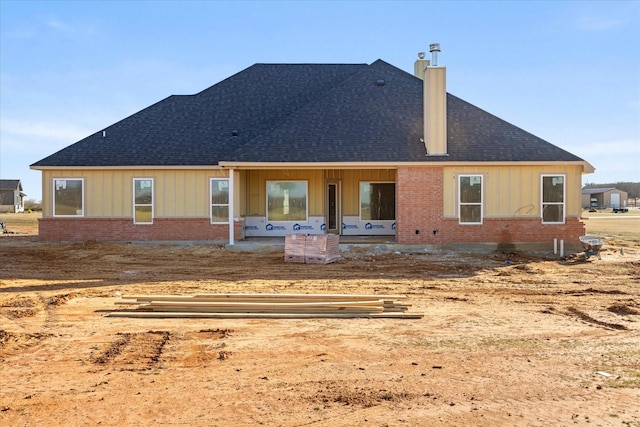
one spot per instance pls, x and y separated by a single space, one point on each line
572 311
18 310
138 351
12 343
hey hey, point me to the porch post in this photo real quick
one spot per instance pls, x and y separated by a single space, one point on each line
231 207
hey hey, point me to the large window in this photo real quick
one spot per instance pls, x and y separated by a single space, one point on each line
286 201
377 201
470 199
219 200
68 197
143 200
553 197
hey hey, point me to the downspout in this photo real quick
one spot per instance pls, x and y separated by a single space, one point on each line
231 207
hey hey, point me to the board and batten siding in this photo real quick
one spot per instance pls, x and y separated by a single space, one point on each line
351 186
182 193
254 184
512 191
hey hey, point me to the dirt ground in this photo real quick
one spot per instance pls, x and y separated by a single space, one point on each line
506 339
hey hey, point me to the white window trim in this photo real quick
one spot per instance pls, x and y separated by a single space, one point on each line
471 204
360 199
53 190
306 190
564 197
211 205
153 198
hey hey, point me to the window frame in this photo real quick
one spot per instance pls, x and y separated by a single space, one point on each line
360 193
306 195
564 197
135 205
53 190
461 203
212 205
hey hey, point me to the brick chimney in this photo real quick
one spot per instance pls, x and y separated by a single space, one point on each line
434 79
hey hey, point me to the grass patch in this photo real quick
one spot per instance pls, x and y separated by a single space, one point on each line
629 380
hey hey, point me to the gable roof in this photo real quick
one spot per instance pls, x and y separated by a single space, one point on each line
302 113
10 184
598 190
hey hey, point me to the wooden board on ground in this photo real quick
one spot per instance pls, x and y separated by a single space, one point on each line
283 306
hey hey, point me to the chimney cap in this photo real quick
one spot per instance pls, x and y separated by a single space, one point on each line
421 55
434 47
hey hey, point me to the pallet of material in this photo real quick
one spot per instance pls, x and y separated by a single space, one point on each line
322 249
312 248
274 306
294 247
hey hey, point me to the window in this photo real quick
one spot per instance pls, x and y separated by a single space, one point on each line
287 201
470 199
143 201
377 201
219 200
68 197
553 199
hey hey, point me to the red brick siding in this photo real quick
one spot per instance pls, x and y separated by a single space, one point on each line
112 229
419 206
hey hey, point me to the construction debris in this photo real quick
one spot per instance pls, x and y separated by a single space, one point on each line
265 306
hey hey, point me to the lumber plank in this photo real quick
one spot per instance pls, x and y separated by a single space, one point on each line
249 309
214 310
287 297
159 315
270 304
322 296
265 306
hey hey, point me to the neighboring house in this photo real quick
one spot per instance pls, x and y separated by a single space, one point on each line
603 198
11 196
351 149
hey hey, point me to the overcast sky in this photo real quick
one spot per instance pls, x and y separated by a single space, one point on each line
566 71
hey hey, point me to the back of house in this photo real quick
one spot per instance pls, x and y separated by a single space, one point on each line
347 149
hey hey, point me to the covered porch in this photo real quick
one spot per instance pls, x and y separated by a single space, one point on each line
272 201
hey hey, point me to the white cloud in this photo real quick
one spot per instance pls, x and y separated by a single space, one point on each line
598 23
69 28
58 25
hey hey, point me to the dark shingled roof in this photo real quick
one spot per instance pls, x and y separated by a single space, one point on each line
302 113
10 184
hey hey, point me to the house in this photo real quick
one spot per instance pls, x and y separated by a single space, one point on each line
603 198
11 196
350 149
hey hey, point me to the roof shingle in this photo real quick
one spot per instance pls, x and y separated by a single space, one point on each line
302 113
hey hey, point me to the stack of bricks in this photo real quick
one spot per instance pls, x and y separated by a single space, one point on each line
294 247
322 249
312 248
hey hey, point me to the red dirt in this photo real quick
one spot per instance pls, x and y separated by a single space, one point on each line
505 340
